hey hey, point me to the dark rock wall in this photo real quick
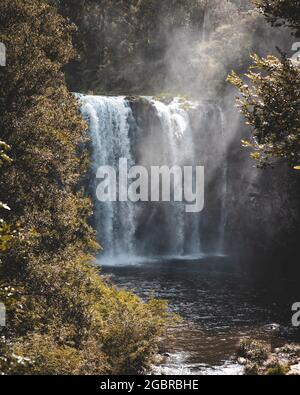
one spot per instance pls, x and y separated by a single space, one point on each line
263 214
262 211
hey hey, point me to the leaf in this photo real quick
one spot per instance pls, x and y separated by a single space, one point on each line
5 206
246 143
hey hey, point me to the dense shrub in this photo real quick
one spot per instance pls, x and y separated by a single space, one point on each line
254 350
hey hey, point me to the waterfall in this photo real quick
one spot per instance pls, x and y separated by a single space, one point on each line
158 134
179 150
109 126
205 26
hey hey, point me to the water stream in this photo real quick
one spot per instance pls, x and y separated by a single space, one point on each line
218 306
157 248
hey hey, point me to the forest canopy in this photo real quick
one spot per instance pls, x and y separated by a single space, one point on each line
148 46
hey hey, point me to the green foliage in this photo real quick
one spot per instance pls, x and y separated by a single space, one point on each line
254 350
4 158
281 12
122 44
92 329
277 370
61 316
270 105
5 231
146 46
5 235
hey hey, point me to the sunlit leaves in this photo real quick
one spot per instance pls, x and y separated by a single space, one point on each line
62 317
5 231
271 106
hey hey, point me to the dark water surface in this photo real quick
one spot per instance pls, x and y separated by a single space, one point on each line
218 306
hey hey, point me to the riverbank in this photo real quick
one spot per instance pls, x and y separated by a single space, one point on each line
219 308
260 358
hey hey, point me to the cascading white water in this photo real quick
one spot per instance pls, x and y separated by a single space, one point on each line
109 125
205 26
179 151
131 230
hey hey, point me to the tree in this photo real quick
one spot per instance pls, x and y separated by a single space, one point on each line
62 316
123 44
281 13
271 103
150 46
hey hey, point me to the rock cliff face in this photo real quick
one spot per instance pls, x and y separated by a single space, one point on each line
260 208
263 225
250 215
264 217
